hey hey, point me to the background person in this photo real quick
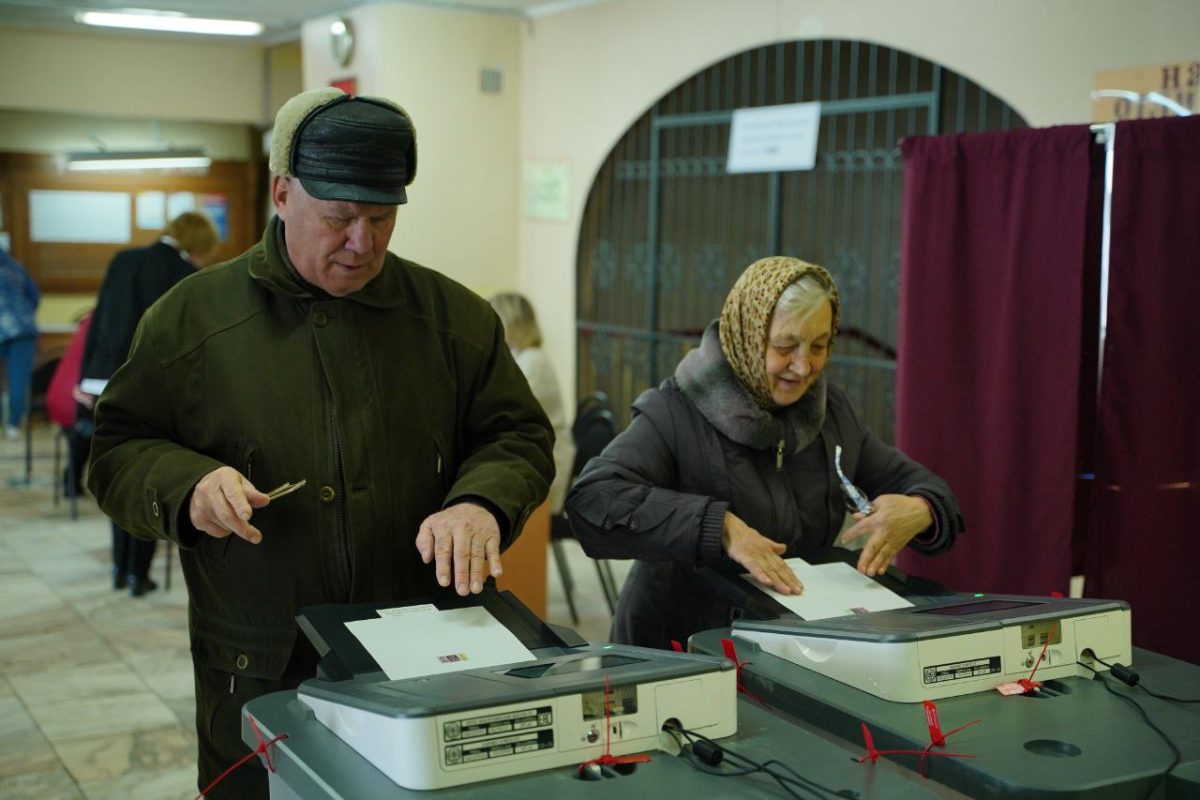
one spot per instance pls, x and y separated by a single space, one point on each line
18 337
135 279
729 463
524 338
317 355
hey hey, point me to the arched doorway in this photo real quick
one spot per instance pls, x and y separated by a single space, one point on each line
666 230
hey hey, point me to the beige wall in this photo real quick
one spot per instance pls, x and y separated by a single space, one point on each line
588 73
50 132
155 78
284 76
461 216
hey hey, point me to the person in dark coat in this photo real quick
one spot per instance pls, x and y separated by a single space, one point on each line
730 464
319 356
135 279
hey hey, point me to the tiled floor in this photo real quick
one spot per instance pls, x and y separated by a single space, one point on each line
96 697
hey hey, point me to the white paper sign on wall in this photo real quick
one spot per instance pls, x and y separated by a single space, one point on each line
547 189
774 138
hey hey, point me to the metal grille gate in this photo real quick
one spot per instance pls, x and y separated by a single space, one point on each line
666 230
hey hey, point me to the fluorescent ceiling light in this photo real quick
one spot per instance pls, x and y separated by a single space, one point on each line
155 159
174 22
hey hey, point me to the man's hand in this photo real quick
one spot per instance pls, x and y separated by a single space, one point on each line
222 503
759 555
83 398
897 518
464 536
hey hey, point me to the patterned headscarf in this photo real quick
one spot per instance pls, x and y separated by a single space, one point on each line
746 317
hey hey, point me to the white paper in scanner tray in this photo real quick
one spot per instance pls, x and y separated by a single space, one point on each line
411 641
834 590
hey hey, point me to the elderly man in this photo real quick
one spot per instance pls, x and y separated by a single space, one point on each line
317 355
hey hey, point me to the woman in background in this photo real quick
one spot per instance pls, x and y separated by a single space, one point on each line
135 279
524 338
730 463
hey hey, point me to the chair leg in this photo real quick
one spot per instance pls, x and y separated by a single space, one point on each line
564 574
608 583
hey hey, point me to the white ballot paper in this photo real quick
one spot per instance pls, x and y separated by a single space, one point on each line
834 590
93 386
411 641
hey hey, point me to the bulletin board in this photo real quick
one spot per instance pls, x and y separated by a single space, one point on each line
65 227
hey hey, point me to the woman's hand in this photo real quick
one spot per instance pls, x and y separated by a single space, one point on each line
897 519
759 555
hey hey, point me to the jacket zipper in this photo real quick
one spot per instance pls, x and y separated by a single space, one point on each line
779 456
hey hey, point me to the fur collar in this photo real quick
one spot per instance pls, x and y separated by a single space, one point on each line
705 378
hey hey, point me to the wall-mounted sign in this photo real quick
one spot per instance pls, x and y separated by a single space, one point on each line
151 210
92 217
216 206
1162 90
179 202
347 85
774 138
547 190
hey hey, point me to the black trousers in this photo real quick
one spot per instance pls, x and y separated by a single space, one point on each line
131 556
220 697
79 444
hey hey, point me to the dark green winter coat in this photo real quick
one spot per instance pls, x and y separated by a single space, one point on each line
245 365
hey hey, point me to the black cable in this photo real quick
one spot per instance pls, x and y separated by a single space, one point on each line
1143 686
1176 755
795 778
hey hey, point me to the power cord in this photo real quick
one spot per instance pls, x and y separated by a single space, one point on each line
707 755
1133 676
1129 677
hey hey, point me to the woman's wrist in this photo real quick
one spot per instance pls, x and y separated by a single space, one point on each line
929 532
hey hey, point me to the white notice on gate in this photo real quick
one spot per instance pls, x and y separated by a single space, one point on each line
774 138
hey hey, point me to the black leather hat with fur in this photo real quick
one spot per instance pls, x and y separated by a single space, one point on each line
361 149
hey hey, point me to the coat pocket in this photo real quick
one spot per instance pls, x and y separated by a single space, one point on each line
261 652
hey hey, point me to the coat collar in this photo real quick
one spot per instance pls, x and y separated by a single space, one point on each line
275 270
705 377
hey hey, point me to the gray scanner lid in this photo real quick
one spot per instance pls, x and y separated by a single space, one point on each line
567 671
950 616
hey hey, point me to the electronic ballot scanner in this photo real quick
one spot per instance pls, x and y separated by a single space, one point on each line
856 630
557 700
957 645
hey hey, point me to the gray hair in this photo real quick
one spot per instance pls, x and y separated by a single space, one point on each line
803 298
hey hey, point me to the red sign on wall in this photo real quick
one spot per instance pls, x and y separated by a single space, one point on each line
347 85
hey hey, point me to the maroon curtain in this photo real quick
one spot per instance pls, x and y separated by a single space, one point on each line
1146 542
992 270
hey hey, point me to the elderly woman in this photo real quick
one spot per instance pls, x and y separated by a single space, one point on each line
733 460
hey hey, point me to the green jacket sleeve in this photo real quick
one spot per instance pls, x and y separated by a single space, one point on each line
507 440
140 477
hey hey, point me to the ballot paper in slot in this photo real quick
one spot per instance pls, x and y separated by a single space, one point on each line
834 590
413 641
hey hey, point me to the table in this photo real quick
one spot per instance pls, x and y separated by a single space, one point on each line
1075 741
313 764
